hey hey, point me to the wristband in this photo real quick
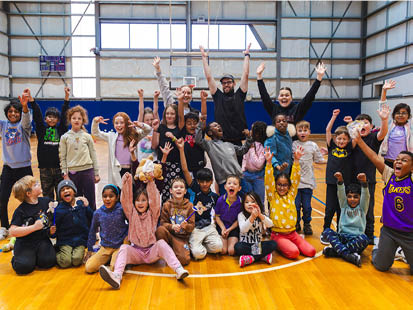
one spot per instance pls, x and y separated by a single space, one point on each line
247 54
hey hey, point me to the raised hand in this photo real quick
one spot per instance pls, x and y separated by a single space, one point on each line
299 152
140 92
167 148
155 124
180 143
362 177
67 93
179 94
321 70
338 176
282 167
384 111
247 51
347 119
204 94
156 94
336 112
84 199
260 70
156 63
132 146
100 120
203 53
169 135
389 84
136 124
268 155
324 151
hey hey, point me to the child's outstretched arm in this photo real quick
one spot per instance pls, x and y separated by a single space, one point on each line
154 201
126 195
141 129
199 137
269 180
167 94
96 132
141 105
384 113
330 124
365 194
341 191
155 104
165 151
63 126
371 155
243 149
389 84
295 171
37 117
180 144
26 121
155 134
203 118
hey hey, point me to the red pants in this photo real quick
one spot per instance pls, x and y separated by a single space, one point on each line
291 245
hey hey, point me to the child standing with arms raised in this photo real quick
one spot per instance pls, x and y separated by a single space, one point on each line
78 157
48 135
15 138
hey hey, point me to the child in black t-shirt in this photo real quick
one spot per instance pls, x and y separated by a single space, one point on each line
30 226
204 238
339 152
48 133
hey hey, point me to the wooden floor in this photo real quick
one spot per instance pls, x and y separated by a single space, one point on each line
217 282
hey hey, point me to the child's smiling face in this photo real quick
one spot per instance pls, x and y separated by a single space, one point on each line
403 165
67 194
232 186
178 190
13 115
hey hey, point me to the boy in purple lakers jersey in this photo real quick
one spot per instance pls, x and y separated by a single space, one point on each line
397 215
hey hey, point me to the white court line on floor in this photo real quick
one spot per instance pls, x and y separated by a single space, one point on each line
233 274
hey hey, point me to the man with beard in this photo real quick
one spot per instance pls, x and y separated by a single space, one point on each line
228 103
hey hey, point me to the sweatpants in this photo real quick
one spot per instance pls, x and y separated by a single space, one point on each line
291 245
135 255
68 256
85 184
28 255
178 244
370 212
101 257
345 244
50 178
9 176
205 240
267 247
390 240
332 205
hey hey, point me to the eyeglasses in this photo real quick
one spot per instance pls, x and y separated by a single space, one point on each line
227 82
401 113
283 185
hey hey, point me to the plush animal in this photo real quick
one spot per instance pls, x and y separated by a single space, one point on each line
146 167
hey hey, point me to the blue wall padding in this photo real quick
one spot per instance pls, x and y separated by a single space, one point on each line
318 115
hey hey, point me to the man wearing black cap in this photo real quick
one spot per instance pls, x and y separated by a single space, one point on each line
228 103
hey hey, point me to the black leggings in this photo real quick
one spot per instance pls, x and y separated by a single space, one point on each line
28 255
9 176
267 247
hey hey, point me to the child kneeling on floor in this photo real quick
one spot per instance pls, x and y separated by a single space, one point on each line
71 219
350 239
142 210
33 247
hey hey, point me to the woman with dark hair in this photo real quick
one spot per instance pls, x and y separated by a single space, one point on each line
295 112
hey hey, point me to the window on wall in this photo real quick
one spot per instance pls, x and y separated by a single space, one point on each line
233 37
83 61
143 36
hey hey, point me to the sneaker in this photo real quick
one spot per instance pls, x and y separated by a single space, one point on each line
328 251
308 231
110 277
297 227
3 233
323 239
353 258
376 243
268 259
181 273
245 260
400 255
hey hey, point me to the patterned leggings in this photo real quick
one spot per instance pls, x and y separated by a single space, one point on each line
345 244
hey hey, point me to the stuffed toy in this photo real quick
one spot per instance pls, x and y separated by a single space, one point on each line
147 166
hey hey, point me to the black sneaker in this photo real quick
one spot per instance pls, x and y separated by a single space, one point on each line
323 239
308 231
353 258
328 251
297 227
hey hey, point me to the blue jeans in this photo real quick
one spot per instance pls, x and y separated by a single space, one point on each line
245 189
303 200
255 183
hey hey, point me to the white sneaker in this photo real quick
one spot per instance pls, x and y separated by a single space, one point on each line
3 233
376 243
400 255
181 273
110 277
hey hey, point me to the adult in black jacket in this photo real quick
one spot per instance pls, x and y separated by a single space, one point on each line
295 112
